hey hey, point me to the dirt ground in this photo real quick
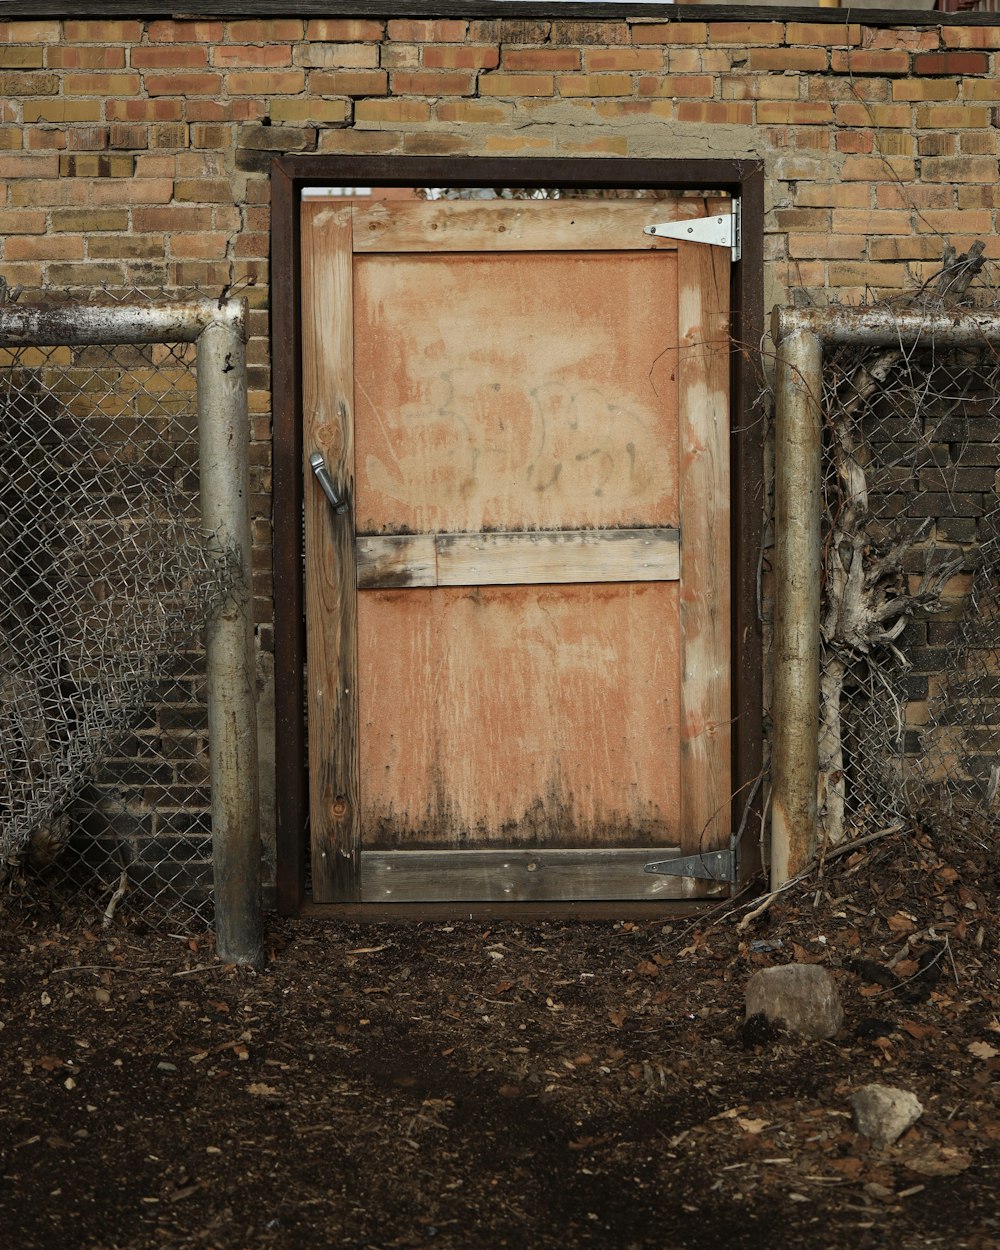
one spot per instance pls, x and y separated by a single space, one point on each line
510 1085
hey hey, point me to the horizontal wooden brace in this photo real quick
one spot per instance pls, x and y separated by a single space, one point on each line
522 876
533 557
512 226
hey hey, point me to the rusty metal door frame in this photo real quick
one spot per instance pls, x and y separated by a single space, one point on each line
289 176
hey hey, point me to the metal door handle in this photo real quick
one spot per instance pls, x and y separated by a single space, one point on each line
318 466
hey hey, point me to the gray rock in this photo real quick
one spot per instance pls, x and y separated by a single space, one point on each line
803 998
883 1112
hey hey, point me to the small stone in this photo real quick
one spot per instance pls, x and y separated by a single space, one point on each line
883 1112
802 998
166 1067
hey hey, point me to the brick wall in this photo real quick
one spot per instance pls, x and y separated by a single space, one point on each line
136 153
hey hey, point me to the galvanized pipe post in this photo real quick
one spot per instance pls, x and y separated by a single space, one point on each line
232 713
795 709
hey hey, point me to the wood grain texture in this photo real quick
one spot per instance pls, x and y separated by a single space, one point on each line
386 560
475 9
331 598
515 392
542 716
488 876
517 225
538 557
703 403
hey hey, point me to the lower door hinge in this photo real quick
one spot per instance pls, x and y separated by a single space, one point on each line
719 230
709 866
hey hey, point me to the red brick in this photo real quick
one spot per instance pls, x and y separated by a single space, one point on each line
540 59
889 195
30 32
266 83
864 61
593 86
671 33
951 63
205 245
85 58
958 169
392 111
144 110
177 56
203 191
51 247
952 116
729 113
433 83
474 112
19 165
674 86
265 56
777 60
965 37
181 31
826 246
602 60
880 115
183 84
848 273
794 112
140 191
103 31
344 30
452 57
855 141
833 195
877 169
955 221
925 89
516 84
906 247
798 34
280 30
885 221
416 31
164 219
102 84
349 82
746 34
17 57
20 221
590 34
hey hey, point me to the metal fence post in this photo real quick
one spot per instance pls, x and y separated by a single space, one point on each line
223 443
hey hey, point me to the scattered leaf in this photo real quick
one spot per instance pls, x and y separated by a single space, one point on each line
982 1050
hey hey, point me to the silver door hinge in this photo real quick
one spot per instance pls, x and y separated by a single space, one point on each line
720 230
709 866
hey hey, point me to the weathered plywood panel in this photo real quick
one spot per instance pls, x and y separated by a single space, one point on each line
520 716
505 876
539 557
331 600
515 392
517 225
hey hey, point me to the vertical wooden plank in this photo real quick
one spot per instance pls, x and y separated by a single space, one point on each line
331 596
703 402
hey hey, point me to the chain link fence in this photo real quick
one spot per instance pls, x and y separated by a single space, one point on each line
910 706
104 770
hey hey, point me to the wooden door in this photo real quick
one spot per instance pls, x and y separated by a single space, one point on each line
518 626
